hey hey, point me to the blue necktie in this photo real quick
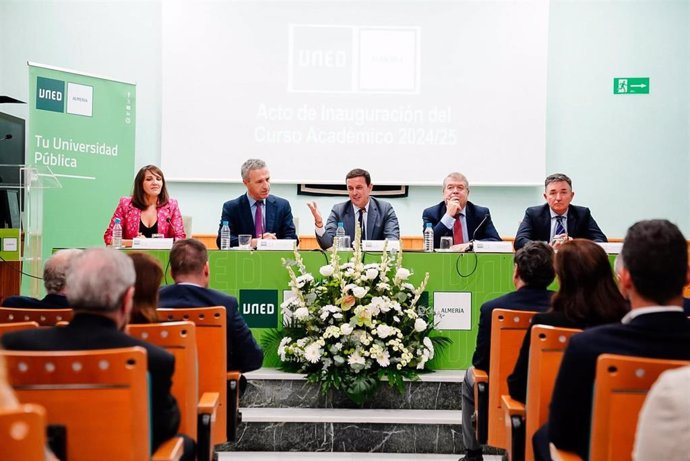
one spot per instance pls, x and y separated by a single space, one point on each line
559 226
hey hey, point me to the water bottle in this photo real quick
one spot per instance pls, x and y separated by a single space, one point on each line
428 238
225 236
339 233
117 234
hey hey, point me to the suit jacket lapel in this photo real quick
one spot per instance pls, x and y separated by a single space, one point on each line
349 220
270 214
372 220
571 222
546 217
246 217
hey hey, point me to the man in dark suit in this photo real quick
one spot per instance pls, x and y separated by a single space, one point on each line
101 287
54 276
375 217
532 274
655 270
557 221
257 213
456 217
190 270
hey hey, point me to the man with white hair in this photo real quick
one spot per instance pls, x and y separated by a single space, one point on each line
54 280
101 287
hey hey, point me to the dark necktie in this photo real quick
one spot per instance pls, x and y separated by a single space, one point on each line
457 231
360 218
259 220
559 226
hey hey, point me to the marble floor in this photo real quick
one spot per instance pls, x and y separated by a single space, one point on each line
328 456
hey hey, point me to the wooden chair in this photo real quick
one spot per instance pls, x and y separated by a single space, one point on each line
620 388
197 414
547 345
508 328
17 326
99 396
44 317
211 337
23 433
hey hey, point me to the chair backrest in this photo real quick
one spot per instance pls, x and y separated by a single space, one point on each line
178 338
620 388
546 348
210 340
44 317
23 433
508 329
100 396
17 326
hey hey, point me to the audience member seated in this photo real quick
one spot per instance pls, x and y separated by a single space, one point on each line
190 270
532 274
587 296
101 288
557 221
376 218
457 217
149 276
655 270
257 213
54 276
663 430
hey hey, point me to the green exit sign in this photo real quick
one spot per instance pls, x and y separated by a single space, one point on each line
631 85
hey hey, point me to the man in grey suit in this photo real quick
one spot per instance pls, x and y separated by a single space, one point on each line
376 217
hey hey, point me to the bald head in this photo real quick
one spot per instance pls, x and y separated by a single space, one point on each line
56 268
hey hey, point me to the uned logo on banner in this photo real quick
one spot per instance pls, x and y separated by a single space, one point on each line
50 94
259 308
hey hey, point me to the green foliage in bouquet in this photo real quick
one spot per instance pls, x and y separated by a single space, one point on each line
355 325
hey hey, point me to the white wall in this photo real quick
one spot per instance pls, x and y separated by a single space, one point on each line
628 155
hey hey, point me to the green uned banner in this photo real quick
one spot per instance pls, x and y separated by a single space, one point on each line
82 128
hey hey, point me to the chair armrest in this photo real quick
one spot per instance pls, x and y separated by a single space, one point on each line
514 417
562 455
208 404
234 377
170 450
512 407
206 415
481 404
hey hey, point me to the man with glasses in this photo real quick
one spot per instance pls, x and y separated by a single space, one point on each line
457 217
557 221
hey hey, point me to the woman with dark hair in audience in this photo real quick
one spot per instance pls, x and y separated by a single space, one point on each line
587 296
149 210
149 275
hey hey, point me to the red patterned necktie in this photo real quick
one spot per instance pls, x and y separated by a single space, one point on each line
457 232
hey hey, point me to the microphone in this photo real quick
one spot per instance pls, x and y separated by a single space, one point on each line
470 247
7 137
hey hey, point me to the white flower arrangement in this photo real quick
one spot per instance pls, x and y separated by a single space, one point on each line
356 325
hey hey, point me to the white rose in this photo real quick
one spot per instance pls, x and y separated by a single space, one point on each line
359 292
301 313
346 329
402 274
419 325
371 274
384 331
326 271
